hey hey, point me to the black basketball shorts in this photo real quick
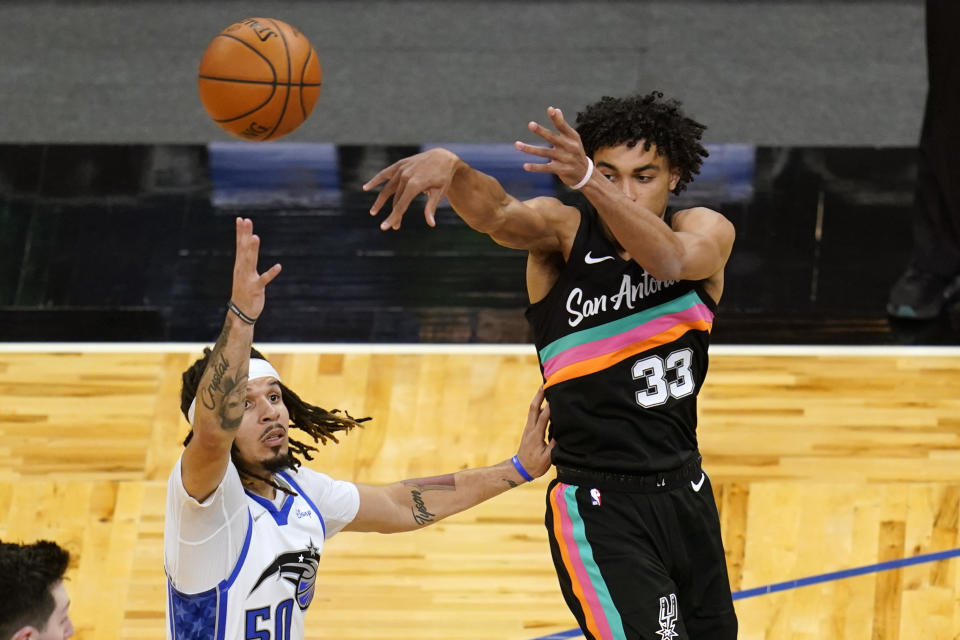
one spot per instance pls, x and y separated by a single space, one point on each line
641 557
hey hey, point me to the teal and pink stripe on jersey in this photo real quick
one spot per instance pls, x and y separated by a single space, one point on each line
590 350
601 617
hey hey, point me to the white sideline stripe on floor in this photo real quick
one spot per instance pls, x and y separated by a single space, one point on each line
467 349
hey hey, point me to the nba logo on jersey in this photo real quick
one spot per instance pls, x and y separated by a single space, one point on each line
595 497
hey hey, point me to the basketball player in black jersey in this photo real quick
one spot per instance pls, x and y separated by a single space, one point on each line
622 299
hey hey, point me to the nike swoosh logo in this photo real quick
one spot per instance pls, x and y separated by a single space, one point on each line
696 485
591 260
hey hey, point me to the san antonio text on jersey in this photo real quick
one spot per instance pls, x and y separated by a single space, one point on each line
623 357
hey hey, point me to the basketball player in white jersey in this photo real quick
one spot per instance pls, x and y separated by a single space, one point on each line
245 523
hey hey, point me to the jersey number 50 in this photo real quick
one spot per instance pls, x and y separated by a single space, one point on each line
283 616
653 371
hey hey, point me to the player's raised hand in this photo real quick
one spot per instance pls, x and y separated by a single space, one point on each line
565 154
249 286
534 452
429 172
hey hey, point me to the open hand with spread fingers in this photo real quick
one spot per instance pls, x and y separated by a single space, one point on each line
534 451
249 287
429 172
566 156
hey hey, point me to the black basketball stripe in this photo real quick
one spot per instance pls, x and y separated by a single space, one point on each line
273 84
273 91
286 98
303 72
244 81
254 49
254 110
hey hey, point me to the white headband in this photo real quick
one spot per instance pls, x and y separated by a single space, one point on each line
259 368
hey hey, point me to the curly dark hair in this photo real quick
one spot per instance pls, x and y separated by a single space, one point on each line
316 422
610 122
29 571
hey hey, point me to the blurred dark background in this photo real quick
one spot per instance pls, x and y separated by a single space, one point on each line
117 192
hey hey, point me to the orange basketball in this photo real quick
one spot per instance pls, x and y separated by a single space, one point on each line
259 79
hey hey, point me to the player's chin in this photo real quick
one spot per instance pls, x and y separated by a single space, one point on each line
277 450
276 460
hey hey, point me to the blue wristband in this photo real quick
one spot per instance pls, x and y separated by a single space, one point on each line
519 467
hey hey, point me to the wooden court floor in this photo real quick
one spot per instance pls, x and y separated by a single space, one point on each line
821 462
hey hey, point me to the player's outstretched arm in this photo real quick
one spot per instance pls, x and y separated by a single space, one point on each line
221 394
416 503
697 248
540 224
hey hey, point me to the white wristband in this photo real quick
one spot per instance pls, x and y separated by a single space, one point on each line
580 184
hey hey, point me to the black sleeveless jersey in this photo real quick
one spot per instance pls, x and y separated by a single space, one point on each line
623 356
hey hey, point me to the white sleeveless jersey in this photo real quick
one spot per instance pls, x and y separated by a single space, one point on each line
264 594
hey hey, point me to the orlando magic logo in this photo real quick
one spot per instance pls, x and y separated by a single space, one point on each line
299 568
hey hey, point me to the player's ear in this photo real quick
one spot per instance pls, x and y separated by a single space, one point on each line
674 177
26 633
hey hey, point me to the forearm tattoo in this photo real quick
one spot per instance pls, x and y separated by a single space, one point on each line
225 394
418 486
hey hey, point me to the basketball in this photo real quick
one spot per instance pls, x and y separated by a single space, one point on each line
259 79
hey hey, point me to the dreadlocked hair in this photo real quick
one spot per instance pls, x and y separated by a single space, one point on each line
316 422
611 122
